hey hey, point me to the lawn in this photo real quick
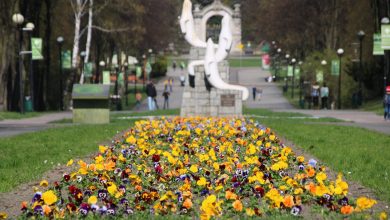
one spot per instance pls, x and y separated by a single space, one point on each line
26 157
375 106
17 115
245 62
359 153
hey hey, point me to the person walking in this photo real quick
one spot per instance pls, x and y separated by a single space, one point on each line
151 92
170 82
386 103
138 98
324 92
259 92
254 89
166 99
315 93
174 65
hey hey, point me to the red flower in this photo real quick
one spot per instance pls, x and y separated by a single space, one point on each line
158 169
156 158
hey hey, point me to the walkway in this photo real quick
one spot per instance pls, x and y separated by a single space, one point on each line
11 127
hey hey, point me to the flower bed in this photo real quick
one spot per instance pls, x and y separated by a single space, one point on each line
202 167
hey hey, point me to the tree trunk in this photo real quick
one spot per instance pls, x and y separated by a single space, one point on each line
89 38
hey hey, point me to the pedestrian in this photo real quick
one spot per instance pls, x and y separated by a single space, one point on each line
315 93
138 98
254 93
151 92
174 65
182 65
182 80
166 99
259 92
324 92
166 84
386 103
170 81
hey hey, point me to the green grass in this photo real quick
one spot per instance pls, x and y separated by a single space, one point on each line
22 157
17 115
245 62
360 154
268 113
375 106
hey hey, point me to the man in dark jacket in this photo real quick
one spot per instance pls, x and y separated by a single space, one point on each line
151 92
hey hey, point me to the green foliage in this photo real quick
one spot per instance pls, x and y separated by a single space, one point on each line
160 67
312 65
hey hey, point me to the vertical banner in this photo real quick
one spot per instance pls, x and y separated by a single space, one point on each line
106 77
148 68
290 70
138 71
320 76
335 71
385 36
88 67
377 50
36 48
266 61
297 72
114 60
66 59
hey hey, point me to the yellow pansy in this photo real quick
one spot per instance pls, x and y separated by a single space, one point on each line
92 200
194 168
49 197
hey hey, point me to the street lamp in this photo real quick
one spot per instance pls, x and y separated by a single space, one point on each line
360 36
126 65
340 53
300 85
29 28
293 61
102 64
385 21
82 55
286 78
144 70
18 19
60 41
278 66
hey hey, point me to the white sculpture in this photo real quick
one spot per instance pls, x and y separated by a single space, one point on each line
212 73
212 58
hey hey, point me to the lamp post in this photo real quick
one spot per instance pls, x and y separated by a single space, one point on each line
293 61
30 27
82 55
300 84
18 19
102 64
286 78
144 70
385 21
360 36
340 53
60 41
126 65
279 50
116 86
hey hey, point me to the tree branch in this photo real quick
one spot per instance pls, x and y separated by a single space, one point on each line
110 30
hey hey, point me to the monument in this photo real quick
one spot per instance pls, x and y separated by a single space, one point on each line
209 94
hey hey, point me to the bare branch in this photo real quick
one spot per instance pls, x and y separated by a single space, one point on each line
110 30
100 8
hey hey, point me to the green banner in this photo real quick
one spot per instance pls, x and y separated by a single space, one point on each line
88 69
320 76
377 45
385 36
148 68
66 59
138 71
106 77
335 68
36 48
290 71
297 72
121 79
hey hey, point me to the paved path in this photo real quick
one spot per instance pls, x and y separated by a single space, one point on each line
11 127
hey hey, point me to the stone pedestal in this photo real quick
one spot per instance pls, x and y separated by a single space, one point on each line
199 101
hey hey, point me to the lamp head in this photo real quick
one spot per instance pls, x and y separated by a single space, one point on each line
18 18
385 20
287 56
323 62
102 63
279 50
60 39
83 53
340 51
293 60
361 34
30 26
